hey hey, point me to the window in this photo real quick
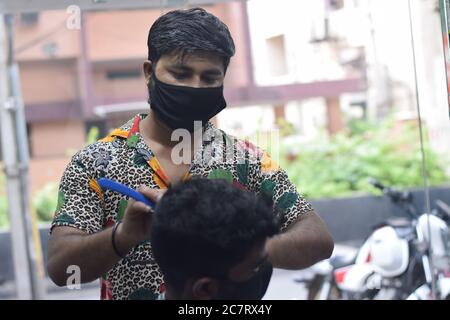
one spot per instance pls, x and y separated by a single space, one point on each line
50 48
29 19
336 4
276 52
358 110
123 74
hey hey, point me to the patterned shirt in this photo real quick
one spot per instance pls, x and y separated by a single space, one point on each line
123 156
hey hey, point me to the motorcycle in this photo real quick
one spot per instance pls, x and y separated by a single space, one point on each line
394 261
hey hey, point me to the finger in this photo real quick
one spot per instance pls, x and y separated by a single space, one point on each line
130 202
153 194
140 207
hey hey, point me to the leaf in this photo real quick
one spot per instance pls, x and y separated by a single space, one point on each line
268 186
132 141
228 141
286 201
122 206
242 172
221 174
61 201
93 184
64 218
139 160
143 294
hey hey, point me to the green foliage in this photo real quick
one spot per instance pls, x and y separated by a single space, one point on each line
221 174
342 164
286 128
268 186
242 172
4 219
286 201
92 135
45 202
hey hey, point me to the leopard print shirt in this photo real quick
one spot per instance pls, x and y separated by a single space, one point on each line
123 156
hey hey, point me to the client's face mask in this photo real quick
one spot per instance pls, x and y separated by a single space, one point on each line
252 289
179 106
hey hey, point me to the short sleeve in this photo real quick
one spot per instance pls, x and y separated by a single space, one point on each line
273 180
80 203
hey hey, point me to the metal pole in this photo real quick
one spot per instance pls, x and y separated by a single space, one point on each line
26 250
7 134
424 166
32 231
443 12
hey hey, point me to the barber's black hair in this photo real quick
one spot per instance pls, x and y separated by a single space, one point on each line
205 227
189 31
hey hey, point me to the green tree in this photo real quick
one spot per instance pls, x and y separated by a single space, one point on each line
44 202
4 219
341 165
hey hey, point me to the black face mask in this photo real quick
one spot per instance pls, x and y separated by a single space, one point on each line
252 289
179 106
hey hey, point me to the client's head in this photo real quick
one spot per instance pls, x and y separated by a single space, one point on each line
209 238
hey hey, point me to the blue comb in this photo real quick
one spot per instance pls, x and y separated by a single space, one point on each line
122 189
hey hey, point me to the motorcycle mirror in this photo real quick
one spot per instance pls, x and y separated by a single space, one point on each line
377 184
407 196
443 207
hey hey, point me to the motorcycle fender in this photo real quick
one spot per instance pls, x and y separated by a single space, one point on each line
355 278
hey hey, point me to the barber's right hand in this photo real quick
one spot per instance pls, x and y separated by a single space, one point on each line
137 220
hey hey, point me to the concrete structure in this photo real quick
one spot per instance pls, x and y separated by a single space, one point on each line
68 72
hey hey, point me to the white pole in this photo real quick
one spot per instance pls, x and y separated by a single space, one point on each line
424 165
31 230
12 170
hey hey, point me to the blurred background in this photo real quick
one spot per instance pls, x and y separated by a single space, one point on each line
340 82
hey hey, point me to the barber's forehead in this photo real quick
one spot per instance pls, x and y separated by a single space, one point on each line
178 57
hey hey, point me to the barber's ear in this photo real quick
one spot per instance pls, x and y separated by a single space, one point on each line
148 69
205 288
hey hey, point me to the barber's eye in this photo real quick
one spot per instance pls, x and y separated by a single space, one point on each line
180 76
210 80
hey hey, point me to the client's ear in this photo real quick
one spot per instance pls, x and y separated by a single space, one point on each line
205 288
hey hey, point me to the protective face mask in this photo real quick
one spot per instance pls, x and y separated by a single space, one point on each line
179 106
252 289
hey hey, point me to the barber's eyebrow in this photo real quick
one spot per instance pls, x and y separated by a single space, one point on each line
179 67
213 72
